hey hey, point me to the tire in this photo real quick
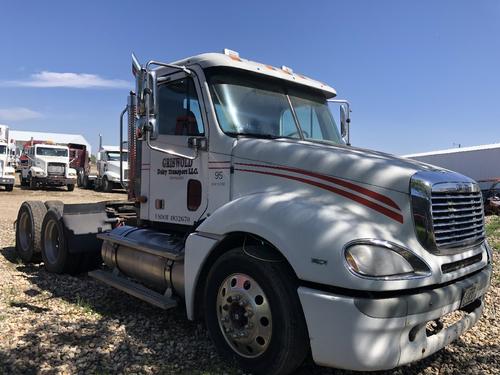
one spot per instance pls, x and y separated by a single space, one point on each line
28 231
106 185
31 182
70 187
57 205
9 187
275 339
79 179
55 254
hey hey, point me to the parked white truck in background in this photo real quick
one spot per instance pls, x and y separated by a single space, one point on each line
249 206
48 165
7 171
109 162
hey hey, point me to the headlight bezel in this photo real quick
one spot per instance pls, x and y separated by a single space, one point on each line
420 268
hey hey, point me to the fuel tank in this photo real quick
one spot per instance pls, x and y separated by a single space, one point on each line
155 259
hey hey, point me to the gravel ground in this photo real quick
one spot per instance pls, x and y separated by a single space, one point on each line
53 324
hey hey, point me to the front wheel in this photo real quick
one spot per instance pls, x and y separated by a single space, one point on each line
107 186
9 187
253 314
70 187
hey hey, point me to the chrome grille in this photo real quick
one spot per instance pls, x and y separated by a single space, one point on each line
56 169
457 216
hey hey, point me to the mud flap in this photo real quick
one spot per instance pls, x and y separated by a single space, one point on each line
81 224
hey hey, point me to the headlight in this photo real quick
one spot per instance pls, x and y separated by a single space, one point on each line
383 260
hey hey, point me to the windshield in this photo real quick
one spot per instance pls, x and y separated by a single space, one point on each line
115 156
49 151
248 104
3 149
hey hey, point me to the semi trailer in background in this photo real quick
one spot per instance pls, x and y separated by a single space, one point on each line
481 163
248 206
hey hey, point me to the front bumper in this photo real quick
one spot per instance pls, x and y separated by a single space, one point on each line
7 180
368 334
54 181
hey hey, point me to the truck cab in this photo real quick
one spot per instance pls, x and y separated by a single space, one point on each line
48 165
234 150
7 172
110 160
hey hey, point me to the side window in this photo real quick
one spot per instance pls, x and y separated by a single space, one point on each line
309 123
179 110
287 125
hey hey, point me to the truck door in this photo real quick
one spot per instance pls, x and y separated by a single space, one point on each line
177 185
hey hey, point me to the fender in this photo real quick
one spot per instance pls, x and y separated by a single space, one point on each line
34 170
71 173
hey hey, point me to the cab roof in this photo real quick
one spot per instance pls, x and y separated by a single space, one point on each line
49 145
233 60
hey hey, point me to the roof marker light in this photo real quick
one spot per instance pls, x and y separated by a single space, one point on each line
232 54
286 69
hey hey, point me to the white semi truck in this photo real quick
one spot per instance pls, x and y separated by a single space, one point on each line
48 165
248 206
7 171
110 160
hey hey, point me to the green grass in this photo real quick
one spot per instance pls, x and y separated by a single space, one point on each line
493 232
85 305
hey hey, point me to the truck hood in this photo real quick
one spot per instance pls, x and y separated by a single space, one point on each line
114 166
349 163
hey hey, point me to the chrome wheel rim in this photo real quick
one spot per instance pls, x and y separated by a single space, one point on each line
51 242
244 315
25 231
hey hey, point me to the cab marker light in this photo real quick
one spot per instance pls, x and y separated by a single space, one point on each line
287 69
232 54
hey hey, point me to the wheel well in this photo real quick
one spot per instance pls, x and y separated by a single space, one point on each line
231 241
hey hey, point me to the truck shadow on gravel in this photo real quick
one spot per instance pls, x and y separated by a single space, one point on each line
76 325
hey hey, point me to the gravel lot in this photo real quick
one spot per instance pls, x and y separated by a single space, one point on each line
55 324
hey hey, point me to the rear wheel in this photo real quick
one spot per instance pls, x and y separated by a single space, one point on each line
253 314
57 205
55 254
28 230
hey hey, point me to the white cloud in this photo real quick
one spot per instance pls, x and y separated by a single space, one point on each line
18 114
73 80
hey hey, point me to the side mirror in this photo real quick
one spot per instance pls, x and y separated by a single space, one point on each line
345 119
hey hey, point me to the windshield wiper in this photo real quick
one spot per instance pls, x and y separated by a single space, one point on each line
256 135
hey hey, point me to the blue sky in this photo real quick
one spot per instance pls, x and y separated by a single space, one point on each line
420 75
